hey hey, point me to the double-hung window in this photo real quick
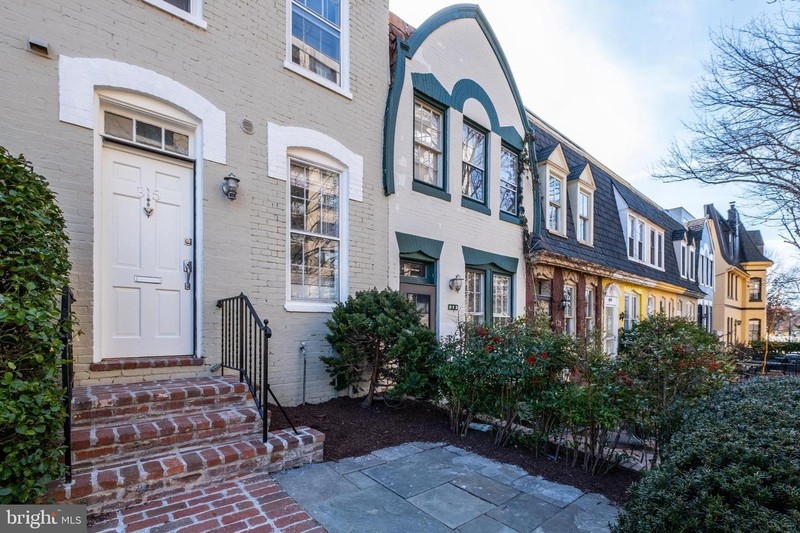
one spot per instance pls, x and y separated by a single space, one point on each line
317 37
754 329
509 170
428 144
475 286
683 260
569 309
473 150
501 298
555 199
314 233
755 290
589 310
488 295
640 240
631 311
584 222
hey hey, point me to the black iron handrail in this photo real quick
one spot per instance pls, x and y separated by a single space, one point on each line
245 349
67 375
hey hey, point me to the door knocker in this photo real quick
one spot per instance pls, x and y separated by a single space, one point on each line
147 209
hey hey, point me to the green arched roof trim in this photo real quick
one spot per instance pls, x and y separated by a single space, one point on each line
412 244
407 49
473 257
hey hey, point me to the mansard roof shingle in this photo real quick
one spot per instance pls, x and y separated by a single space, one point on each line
610 248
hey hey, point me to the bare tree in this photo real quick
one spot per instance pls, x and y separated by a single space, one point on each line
783 297
748 125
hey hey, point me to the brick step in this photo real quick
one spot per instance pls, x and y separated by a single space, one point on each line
100 445
110 404
125 483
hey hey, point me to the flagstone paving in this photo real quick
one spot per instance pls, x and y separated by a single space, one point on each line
428 487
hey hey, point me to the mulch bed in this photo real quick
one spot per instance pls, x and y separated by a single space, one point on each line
351 430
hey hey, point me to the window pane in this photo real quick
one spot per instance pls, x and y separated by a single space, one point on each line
554 190
314 210
427 150
509 168
118 126
583 205
316 44
184 5
474 284
474 147
501 292
413 269
472 183
554 218
176 142
148 134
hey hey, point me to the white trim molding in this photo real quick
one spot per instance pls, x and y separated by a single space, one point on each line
78 79
281 139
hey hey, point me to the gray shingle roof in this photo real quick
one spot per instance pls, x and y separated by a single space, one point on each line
610 249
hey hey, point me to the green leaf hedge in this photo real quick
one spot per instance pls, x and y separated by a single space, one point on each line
34 268
733 466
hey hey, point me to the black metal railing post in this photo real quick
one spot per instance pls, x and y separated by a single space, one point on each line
67 376
245 349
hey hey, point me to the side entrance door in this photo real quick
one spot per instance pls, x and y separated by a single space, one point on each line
146 281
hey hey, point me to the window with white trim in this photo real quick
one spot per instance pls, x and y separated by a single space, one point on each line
314 243
189 10
692 267
474 293
501 298
631 317
473 153
316 37
589 310
428 134
645 242
680 308
555 204
651 305
584 217
569 309
509 185
683 261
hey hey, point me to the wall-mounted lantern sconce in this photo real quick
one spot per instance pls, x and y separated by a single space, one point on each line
456 283
564 301
623 315
230 186
738 322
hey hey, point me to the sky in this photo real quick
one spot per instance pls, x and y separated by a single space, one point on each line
616 77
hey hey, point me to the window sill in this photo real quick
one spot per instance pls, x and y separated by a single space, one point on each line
328 84
181 14
309 307
586 243
557 233
507 217
469 203
430 190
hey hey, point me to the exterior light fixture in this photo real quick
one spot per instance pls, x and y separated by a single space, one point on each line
564 301
230 186
456 283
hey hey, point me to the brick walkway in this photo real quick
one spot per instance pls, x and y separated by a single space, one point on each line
253 503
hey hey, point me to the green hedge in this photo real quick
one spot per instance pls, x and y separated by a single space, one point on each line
34 267
733 466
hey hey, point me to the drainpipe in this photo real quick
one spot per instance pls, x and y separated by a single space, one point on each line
305 363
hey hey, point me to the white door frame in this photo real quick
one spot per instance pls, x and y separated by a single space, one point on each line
611 296
142 105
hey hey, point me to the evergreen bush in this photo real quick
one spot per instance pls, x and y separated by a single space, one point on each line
380 341
34 268
733 466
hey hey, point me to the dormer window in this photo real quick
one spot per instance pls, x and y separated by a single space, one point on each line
584 222
581 187
692 267
645 242
555 204
683 260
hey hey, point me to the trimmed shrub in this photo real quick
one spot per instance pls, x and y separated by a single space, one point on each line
671 361
732 466
34 268
380 341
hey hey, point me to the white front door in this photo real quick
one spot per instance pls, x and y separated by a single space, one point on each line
146 246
